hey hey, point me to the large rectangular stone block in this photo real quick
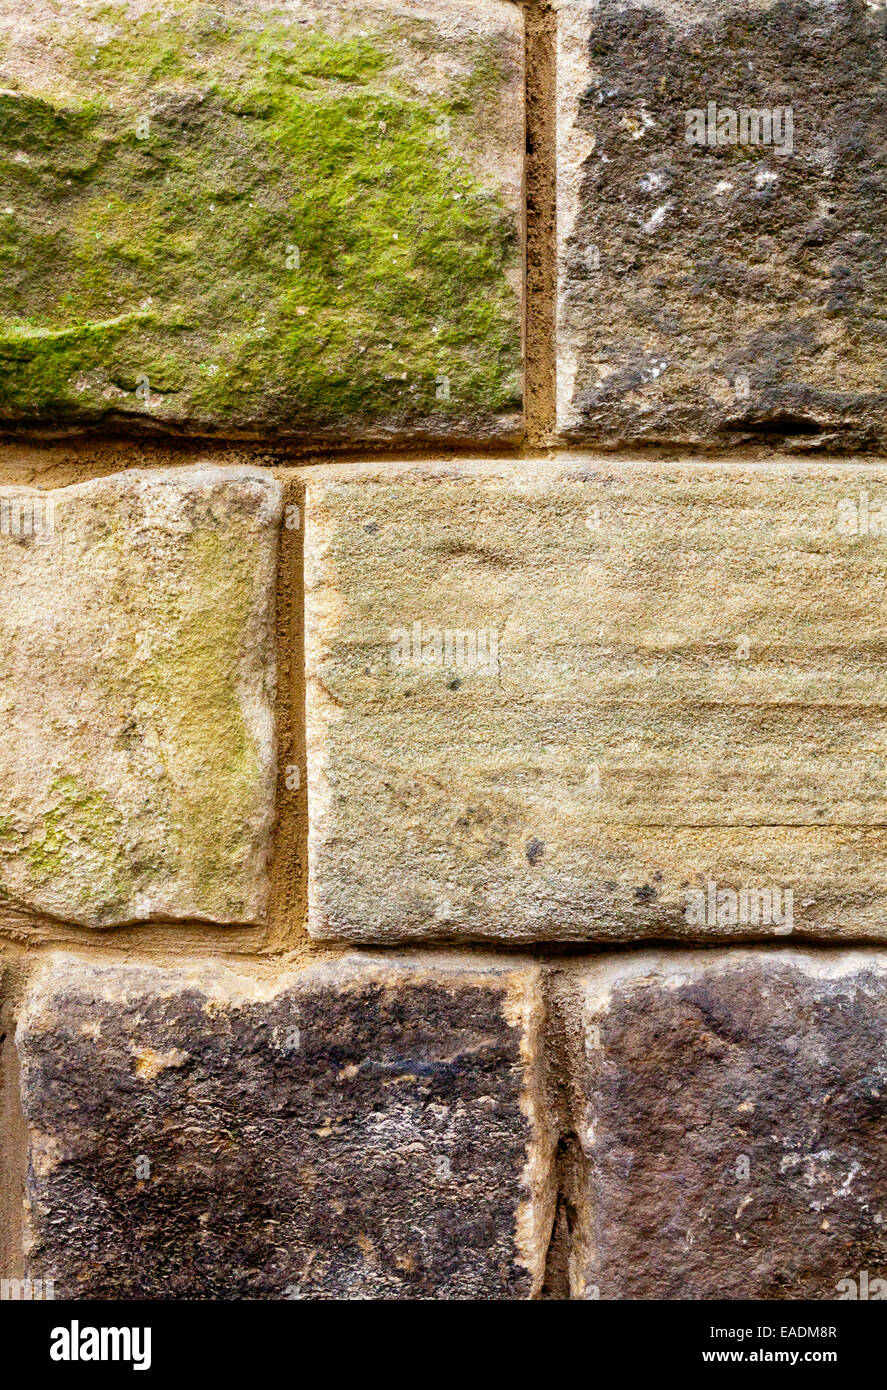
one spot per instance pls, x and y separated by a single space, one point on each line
721 210
137 681
297 217
732 1125
357 1129
596 701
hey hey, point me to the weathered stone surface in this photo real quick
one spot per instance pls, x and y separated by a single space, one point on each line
687 702
733 1125
137 680
731 291
360 1129
298 216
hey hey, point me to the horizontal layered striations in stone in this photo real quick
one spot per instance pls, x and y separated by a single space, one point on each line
359 1129
732 1126
721 211
596 701
299 217
137 680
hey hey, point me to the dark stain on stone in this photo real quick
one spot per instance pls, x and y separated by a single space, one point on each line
780 424
534 850
458 549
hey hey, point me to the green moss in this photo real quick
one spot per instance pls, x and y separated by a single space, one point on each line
191 681
175 674
171 257
83 835
46 362
186 789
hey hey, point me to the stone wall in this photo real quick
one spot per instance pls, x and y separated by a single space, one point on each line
443 780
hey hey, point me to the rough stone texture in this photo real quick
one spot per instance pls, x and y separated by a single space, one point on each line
360 1129
137 680
690 690
691 1065
731 292
300 217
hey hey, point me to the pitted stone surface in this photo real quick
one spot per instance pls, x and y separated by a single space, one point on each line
137 680
733 1126
289 217
360 1129
728 291
659 712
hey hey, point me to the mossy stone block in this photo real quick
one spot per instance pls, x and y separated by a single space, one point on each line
299 219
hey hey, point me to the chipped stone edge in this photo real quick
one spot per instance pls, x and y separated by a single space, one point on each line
321 712
600 976
574 147
574 465
526 1009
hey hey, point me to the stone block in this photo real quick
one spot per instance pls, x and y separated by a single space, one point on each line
721 209
594 701
357 1129
137 682
733 1126
281 217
